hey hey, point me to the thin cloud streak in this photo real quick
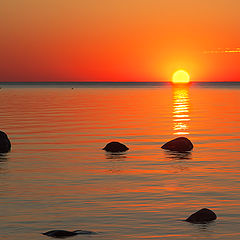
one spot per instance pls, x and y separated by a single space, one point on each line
225 50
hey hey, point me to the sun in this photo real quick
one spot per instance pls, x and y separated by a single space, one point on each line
181 76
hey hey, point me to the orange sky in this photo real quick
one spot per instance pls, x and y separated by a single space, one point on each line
119 40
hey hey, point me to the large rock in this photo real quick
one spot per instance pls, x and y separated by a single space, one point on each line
202 216
115 147
64 233
5 145
180 144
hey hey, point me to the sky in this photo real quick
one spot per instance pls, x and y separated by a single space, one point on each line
119 40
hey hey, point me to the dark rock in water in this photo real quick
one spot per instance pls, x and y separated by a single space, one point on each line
115 147
60 233
202 216
180 144
5 144
64 233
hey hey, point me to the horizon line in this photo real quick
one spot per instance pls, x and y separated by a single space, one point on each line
112 82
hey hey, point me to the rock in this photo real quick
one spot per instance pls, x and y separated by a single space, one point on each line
180 144
5 144
202 216
64 233
115 147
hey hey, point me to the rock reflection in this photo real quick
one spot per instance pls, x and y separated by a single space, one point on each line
204 230
3 159
205 226
115 159
180 110
116 156
179 160
178 155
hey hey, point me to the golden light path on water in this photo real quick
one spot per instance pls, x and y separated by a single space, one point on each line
181 116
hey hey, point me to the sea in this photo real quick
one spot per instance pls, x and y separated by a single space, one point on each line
57 176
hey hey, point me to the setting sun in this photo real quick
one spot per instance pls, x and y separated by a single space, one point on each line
181 76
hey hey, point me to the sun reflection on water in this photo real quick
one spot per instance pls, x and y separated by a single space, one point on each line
180 110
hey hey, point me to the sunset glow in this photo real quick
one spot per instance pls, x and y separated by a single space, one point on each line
120 118
137 40
181 76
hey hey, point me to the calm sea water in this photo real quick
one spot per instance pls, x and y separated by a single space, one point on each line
57 176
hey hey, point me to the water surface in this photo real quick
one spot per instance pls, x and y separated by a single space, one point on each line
57 176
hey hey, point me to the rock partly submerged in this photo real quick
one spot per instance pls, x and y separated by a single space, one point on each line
5 144
180 144
64 233
115 147
202 216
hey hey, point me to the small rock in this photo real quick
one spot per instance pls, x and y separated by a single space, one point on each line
5 145
180 144
64 233
115 147
202 216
